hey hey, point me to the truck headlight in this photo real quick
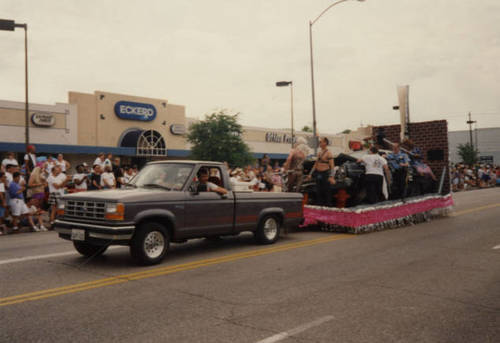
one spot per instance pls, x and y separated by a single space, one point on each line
115 211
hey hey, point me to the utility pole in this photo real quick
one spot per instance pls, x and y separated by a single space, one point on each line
470 122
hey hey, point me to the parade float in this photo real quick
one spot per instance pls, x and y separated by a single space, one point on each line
350 214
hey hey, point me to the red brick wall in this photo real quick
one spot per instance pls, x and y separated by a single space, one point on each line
427 135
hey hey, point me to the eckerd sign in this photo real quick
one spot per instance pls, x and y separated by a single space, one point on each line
135 111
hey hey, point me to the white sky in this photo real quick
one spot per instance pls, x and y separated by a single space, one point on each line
229 54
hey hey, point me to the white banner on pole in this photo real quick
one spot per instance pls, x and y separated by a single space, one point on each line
404 109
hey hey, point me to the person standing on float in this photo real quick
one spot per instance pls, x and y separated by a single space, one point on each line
294 165
325 174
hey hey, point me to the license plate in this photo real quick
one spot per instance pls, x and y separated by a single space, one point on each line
77 235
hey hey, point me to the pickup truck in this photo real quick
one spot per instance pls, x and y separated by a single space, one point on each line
166 202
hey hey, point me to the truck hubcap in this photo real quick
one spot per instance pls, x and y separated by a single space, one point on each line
154 244
270 228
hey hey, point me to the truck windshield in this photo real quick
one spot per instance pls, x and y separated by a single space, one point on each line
168 176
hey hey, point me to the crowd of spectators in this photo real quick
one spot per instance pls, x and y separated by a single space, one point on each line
29 191
466 177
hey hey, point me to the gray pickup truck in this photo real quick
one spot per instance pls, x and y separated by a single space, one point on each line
167 202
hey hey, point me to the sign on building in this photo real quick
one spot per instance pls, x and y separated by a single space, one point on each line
135 111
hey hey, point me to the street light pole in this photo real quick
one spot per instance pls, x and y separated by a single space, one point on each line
311 23
10 25
286 84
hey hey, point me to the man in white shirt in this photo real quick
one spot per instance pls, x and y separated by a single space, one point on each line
10 159
100 160
30 159
375 165
80 179
57 182
49 165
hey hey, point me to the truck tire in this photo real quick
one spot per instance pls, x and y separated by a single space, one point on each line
150 243
268 230
89 250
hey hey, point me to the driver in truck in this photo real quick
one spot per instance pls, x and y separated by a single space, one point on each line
209 186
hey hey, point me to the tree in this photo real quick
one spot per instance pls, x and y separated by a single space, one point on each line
218 138
347 131
467 153
306 128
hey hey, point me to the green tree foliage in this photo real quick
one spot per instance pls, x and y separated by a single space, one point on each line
467 153
347 131
218 138
307 128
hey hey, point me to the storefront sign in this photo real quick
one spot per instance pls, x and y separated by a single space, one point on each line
274 137
177 129
135 111
43 119
486 159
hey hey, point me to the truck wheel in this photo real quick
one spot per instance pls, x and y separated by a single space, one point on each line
89 250
150 243
268 230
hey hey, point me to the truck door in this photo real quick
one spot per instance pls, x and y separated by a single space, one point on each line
209 212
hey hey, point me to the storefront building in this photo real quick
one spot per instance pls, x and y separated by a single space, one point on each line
135 128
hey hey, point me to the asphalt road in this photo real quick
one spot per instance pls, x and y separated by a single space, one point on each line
434 282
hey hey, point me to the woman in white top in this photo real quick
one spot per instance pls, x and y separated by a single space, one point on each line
62 163
108 179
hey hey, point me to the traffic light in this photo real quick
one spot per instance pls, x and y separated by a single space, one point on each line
7 25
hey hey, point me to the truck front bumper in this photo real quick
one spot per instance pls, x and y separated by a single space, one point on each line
96 233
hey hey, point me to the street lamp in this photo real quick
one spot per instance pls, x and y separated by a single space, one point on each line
286 84
10 25
315 139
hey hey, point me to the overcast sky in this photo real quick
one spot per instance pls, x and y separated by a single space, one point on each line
216 54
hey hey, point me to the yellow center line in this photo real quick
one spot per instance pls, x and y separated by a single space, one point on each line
79 287
83 286
476 209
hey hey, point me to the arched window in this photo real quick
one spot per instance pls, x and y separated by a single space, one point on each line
151 143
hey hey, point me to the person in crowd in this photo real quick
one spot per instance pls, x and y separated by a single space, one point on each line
294 165
118 172
203 176
265 161
80 179
10 169
49 165
57 181
62 163
107 161
100 160
95 178
30 159
33 216
16 202
375 167
3 203
10 159
267 177
135 170
398 162
108 178
36 184
324 171
128 175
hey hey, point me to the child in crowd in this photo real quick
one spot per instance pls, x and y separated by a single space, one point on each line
33 217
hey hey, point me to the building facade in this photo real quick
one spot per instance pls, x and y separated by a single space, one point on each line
486 141
135 128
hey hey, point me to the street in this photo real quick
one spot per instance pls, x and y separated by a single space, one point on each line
437 281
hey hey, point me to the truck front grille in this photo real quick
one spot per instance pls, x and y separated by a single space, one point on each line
85 209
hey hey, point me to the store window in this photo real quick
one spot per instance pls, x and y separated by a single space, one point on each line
151 143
